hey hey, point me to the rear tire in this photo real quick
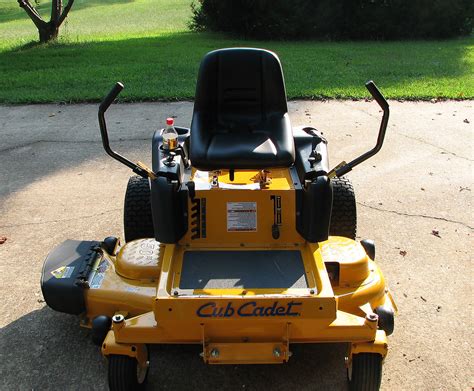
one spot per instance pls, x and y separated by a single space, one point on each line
344 211
366 372
125 374
137 217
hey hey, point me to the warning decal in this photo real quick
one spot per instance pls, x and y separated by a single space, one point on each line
63 272
97 280
98 275
241 216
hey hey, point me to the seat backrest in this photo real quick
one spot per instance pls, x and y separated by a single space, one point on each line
238 87
240 118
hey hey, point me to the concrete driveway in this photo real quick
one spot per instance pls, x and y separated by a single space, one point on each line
415 199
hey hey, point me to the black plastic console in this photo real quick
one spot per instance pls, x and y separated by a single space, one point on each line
169 193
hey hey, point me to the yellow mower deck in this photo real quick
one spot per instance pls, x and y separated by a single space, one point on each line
243 324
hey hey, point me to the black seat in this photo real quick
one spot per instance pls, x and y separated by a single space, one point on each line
240 118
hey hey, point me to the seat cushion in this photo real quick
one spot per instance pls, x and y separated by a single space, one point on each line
245 147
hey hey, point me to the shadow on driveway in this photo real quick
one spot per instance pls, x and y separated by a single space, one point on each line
48 350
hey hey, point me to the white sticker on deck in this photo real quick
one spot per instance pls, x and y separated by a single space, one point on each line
96 282
97 276
241 216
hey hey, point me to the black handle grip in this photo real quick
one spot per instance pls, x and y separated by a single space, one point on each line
108 100
376 94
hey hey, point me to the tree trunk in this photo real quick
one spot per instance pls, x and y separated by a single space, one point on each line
48 32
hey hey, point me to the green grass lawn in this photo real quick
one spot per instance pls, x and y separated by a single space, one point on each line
146 45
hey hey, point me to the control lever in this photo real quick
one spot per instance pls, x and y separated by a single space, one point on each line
314 156
343 167
138 168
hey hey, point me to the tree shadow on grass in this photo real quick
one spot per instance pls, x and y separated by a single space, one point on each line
12 12
48 350
164 67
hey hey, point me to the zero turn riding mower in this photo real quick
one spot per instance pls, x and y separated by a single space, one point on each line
239 238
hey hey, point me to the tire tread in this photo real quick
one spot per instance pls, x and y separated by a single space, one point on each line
366 372
137 216
344 209
122 373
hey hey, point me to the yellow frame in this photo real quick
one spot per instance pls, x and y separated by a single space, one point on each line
159 312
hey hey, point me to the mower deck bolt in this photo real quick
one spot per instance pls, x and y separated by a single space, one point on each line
119 318
372 317
215 353
277 352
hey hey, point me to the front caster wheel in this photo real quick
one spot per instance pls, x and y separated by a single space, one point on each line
366 372
126 374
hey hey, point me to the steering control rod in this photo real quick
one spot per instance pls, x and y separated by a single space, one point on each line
139 168
343 168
